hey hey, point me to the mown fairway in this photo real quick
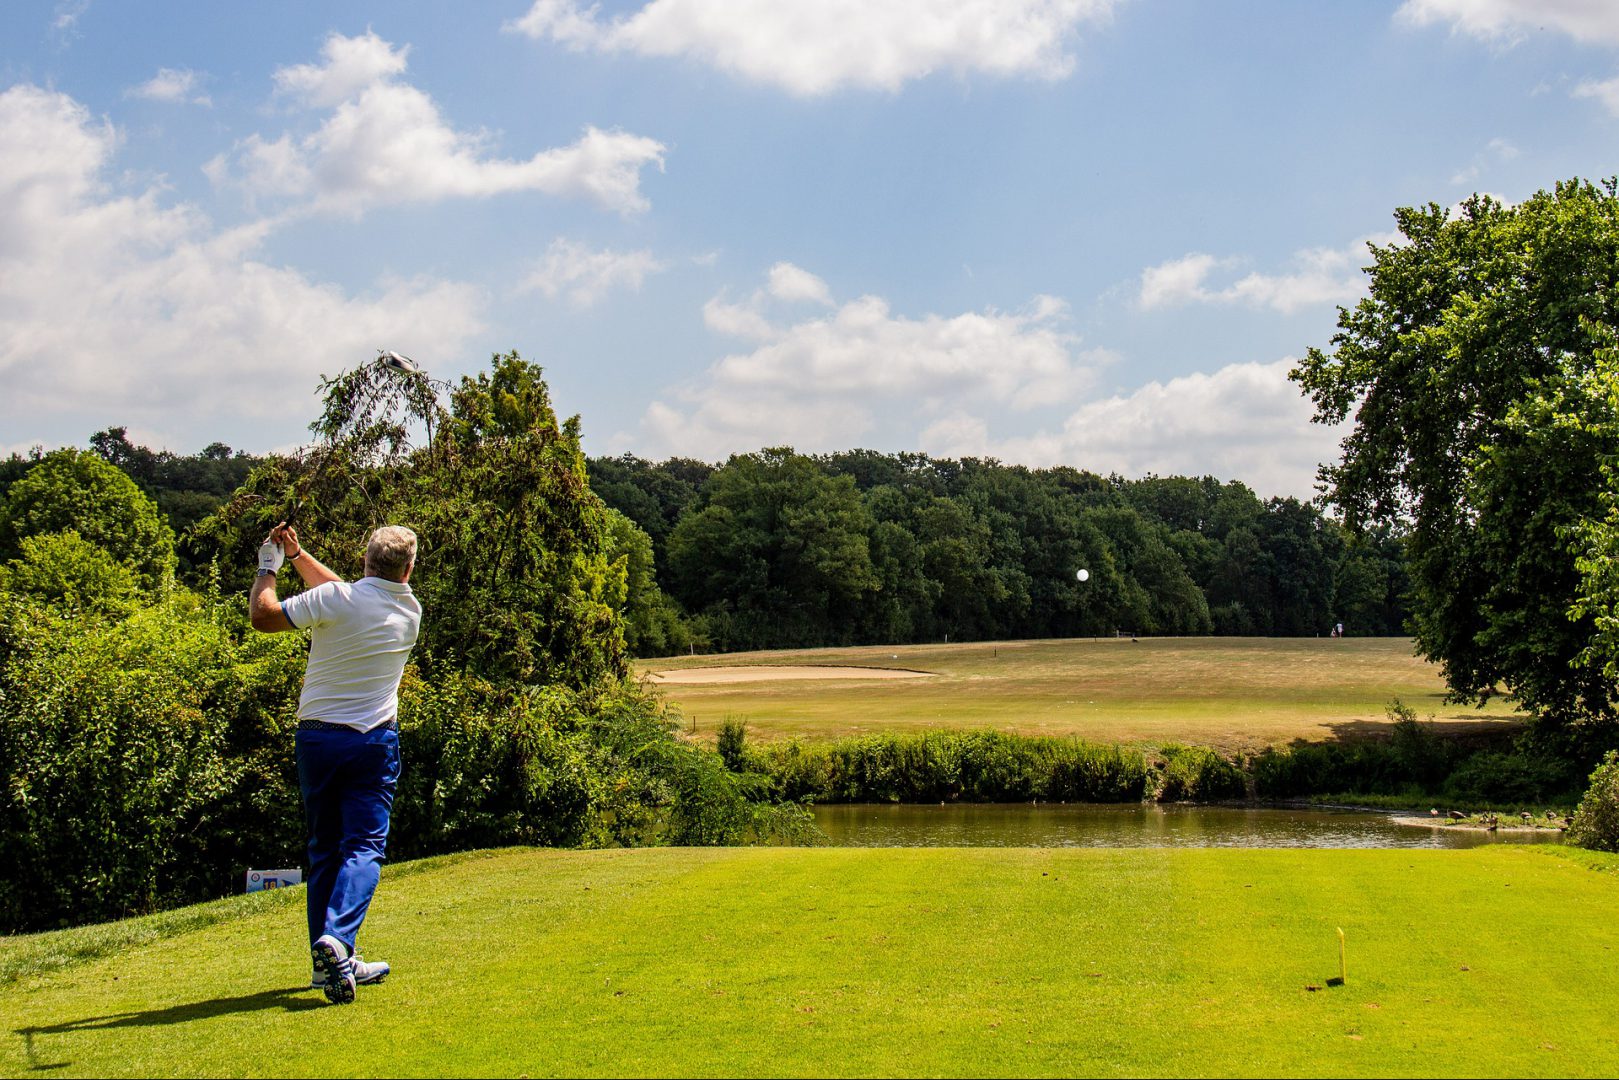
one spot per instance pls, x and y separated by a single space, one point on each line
1228 693
1496 962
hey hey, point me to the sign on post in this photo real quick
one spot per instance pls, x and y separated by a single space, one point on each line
273 879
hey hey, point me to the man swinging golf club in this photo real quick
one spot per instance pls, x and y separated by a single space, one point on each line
348 733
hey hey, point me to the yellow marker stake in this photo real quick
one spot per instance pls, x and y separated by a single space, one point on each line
1343 967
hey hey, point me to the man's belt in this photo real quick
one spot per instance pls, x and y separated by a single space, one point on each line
321 725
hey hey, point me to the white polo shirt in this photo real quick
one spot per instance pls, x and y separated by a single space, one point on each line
361 634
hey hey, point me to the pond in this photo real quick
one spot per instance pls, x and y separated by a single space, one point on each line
1138 825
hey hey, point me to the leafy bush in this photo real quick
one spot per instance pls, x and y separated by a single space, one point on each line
1372 768
121 756
797 770
1195 773
710 805
1414 756
1596 822
971 766
65 572
1415 763
1420 755
481 770
487 767
1086 772
732 744
1506 779
76 490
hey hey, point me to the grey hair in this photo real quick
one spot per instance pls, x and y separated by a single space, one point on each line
390 552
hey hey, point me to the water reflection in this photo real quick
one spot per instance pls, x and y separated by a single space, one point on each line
1136 825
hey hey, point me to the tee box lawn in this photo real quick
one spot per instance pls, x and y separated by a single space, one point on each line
914 962
1228 693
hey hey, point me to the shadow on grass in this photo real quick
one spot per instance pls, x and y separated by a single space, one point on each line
1474 730
291 999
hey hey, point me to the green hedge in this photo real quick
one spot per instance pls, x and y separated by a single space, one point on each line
1194 773
1419 764
132 758
972 766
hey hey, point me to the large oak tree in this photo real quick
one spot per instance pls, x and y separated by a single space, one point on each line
1472 316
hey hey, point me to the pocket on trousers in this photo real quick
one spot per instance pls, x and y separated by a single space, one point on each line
391 763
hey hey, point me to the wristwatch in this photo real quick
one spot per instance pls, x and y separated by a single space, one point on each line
266 571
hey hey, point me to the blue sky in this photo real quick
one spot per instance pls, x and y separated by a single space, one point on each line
1088 232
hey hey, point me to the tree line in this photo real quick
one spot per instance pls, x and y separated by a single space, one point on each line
777 549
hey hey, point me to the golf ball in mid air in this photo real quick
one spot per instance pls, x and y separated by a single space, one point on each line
1083 575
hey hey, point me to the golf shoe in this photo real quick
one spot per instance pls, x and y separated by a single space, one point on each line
365 973
336 969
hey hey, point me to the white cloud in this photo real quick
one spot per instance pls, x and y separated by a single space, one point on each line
834 381
809 49
737 320
1606 93
1178 280
1318 276
352 66
822 383
66 17
172 86
587 276
117 305
1497 149
792 283
1244 421
385 142
785 282
1508 21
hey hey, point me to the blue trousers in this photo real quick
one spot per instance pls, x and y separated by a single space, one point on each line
348 780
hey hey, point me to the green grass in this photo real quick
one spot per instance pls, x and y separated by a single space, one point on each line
1491 962
23 955
1227 693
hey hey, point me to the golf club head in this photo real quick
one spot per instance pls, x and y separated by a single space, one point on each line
396 362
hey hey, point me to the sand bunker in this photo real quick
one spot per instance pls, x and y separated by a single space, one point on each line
708 676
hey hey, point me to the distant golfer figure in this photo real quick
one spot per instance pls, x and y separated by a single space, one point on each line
348 730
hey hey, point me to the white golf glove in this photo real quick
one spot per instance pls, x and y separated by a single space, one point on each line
271 556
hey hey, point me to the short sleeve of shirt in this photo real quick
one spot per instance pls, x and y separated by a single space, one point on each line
310 608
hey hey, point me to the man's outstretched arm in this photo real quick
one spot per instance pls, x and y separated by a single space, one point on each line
263 606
